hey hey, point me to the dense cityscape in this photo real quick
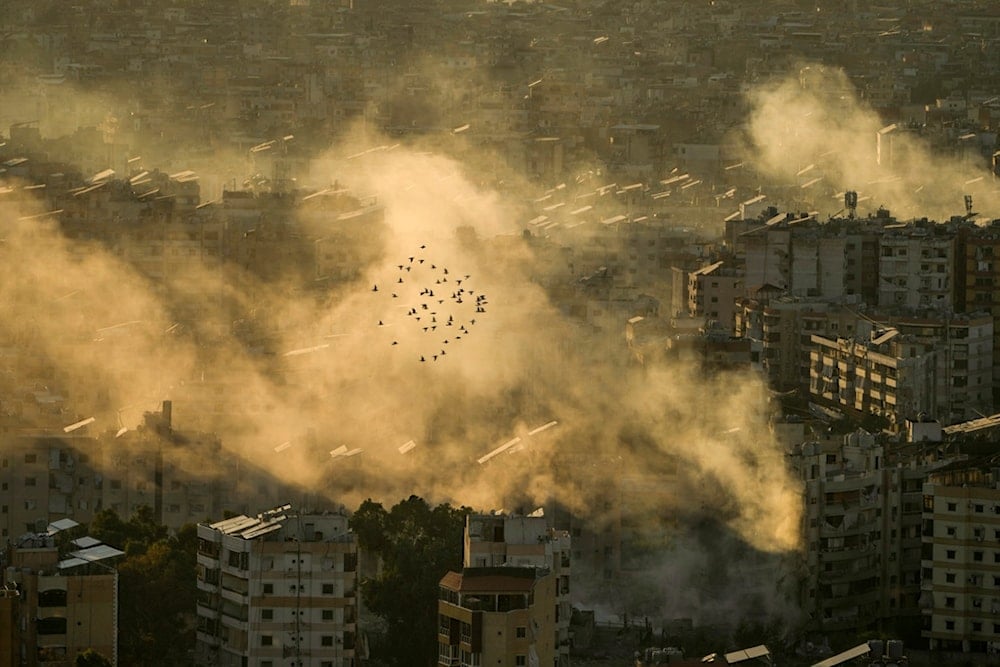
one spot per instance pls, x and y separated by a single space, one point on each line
465 332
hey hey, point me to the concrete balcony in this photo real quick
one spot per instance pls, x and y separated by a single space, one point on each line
208 562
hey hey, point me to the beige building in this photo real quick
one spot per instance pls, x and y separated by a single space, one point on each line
46 476
961 563
503 616
899 375
498 540
712 292
277 587
59 607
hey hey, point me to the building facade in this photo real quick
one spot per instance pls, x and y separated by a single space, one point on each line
276 587
496 540
862 527
59 608
503 616
961 559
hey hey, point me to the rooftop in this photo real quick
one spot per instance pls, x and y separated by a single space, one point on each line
491 580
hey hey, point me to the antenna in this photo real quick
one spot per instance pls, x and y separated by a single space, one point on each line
968 207
851 203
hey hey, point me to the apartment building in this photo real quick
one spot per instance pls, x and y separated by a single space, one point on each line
45 477
981 283
961 558
964 344
278 587
797 254
712 292
500 540
178 474
886 376
945 374
779 325
183 476
917 266
503 616
59 607
862 527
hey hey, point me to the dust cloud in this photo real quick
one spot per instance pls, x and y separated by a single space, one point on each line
810 133
344 394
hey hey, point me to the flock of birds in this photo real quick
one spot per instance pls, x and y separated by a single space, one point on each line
440 305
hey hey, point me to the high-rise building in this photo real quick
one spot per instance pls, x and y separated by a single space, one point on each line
277 588
960 579
862 529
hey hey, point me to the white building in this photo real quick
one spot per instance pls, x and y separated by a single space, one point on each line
961 563
275 588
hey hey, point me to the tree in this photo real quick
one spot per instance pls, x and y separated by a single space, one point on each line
416 545
157 587
91 658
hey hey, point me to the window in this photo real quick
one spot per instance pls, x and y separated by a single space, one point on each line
327 589
52 598
267 614
520 660
949 602
979 508
521 632
326 640
977 556
327 614
268 589
30 458
949 625
30 481
950 554
949 577
266 640
51 626
952 507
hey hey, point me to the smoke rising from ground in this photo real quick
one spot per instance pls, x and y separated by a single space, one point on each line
812 125
344 371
